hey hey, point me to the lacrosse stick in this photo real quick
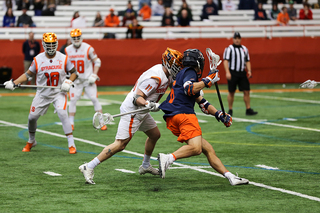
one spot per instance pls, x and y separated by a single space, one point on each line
100 119
214 62
32 86
309 84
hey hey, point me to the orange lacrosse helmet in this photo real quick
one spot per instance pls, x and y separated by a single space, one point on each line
172 60
50 43
76 37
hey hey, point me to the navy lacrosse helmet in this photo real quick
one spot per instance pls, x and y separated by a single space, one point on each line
194 58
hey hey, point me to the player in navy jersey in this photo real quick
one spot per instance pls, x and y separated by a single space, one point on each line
182 121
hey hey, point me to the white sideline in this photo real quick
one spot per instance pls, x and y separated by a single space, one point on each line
280 98
175 163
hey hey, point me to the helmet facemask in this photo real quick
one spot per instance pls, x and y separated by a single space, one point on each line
76 41
50 43
171 60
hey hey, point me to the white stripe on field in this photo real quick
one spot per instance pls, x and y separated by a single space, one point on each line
52 173
175 163
281 98
125 171
195 167
267 167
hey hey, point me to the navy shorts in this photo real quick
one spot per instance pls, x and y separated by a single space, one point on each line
239 79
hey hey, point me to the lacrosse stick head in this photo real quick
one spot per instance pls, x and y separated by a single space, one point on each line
214 59
99 119
308 84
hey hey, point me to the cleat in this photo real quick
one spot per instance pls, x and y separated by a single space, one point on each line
251 112
150 170
87 173
235 180
28 147
163 164
104 128
230 112
72 127
72 150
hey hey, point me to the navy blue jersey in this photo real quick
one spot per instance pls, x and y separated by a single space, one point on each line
177 101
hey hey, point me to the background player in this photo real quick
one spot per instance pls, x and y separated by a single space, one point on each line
82 55
181 118
148 90
51 68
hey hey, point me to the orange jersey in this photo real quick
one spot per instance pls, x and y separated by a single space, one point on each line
112 21
283 18
145 12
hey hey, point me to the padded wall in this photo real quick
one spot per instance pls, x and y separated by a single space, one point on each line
279 60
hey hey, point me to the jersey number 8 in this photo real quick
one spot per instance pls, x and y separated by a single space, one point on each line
79 65
52 78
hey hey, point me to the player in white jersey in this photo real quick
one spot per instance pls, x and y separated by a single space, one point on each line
83 56
147 91
51 68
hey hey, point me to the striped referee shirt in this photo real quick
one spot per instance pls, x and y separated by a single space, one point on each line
237 57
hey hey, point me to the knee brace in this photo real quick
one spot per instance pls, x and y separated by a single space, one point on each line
32 122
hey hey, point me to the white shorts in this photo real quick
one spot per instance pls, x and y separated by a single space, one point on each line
129 124
41 104
89 89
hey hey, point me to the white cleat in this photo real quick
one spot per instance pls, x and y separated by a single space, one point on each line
87 173
235 180
163 164
150 170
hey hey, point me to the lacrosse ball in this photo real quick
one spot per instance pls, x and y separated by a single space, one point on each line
283 85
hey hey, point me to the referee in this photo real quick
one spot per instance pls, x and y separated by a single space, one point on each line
236 60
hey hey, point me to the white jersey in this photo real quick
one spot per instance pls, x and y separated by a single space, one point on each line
50 72
81 58
154 91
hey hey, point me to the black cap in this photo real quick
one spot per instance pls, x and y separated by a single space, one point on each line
236 35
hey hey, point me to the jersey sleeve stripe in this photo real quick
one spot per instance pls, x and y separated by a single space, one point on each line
159 79
88 53
36 63
65 63
65 50
130 127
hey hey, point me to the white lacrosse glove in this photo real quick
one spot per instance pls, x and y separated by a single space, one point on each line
65 87
154 107
92 78
9 85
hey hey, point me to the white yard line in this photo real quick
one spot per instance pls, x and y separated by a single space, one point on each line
52 173
267 167
125 171
280 98
175 163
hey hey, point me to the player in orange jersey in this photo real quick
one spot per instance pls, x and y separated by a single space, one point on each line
51 68
83 56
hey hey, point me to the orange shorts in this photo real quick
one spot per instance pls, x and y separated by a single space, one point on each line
185 126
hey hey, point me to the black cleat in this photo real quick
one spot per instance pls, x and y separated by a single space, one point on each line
251 112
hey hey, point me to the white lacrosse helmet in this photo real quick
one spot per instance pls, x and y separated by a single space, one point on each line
50 43
76 37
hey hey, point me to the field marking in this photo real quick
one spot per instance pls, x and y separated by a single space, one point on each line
125 171
281 98
196 167
267 167
257 144
175 163
52 173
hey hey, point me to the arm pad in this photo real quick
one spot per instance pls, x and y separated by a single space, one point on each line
135 98
188 88
97 63
204 105
29 77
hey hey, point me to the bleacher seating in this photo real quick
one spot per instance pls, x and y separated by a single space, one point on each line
222 25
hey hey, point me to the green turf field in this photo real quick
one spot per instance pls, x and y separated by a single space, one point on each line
284 135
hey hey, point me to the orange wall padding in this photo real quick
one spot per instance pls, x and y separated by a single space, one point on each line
277 60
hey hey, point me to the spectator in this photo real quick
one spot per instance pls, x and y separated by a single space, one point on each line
208 9
129 10
129 15
145 12
98 21
167 3
218 3
134 30
274 12
62 49
283 17
185 6
30 49
37 7
292 11
64 2
305 13
9 4
228 5
24 20
112 20
142 2
158 8
260 13
167 18
247 5
9 19
50 8
75 16
184 20
23 4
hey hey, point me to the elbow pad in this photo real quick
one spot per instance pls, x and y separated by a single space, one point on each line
188 88
97 63
135 98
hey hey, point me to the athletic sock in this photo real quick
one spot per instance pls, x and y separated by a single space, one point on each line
71 119
71 141
172 158
146 161
32 137
228 174
92 164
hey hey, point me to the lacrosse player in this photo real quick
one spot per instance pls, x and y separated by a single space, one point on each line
82 55
51 68
181 118
148 90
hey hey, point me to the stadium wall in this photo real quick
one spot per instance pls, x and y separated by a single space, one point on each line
277 60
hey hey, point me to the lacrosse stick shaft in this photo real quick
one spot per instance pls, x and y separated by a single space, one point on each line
220 100
33 86
134 111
